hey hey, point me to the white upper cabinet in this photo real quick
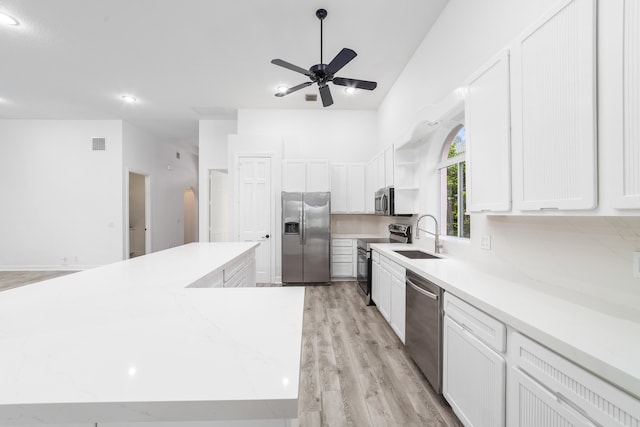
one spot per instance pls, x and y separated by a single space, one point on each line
305 175
388 166
370 186
348 188
627 66
554 111
294 175
317 178
487 122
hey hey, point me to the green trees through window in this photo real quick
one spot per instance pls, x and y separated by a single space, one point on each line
453 185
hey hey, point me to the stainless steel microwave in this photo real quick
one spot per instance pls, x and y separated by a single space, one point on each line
384 202
390 201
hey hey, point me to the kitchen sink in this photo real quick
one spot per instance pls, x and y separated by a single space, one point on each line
416 254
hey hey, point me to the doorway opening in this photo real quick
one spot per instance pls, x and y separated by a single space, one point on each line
190 216
219 205
139 214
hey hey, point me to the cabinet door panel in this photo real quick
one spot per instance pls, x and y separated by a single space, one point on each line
339 194
356 181
398 306
487 123
554 111
628 149
473 379
375 281
293 175
384 287
318 176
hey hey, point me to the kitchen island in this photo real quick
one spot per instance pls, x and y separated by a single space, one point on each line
131 342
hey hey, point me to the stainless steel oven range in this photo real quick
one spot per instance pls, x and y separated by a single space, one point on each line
398 233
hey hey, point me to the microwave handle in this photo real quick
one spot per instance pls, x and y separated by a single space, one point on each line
385 208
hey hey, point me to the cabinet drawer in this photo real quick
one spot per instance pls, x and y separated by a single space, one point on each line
532 402
342 250
484 327
393 268
211 280
342 242
233 267
342 258
342 269
595 398
375 256
239 279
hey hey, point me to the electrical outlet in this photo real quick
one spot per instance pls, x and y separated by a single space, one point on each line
636 264
485 243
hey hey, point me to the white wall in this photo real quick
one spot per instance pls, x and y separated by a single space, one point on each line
170 177
335 135
61 201
465 36
213 154
586 255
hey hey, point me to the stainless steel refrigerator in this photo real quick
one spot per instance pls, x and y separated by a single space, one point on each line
306 234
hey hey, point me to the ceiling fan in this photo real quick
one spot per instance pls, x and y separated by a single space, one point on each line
324 73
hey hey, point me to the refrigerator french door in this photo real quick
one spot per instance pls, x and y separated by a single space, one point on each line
306 235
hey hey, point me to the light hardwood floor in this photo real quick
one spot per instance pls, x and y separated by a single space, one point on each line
13 279
354 369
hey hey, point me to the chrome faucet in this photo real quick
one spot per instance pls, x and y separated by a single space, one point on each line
438 243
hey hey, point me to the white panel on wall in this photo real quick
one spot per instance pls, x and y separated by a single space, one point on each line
554 110
630 152
488 123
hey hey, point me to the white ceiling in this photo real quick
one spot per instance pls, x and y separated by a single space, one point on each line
192 59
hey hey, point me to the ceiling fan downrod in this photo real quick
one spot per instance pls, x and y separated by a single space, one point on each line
321 14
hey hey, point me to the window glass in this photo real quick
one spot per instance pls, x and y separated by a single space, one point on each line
456 222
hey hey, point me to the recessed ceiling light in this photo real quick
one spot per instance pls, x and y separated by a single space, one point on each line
129 99
8 20
282 89
350 90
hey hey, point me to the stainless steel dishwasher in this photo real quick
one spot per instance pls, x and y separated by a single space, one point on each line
423 334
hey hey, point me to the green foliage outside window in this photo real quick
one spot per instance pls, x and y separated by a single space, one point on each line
456 174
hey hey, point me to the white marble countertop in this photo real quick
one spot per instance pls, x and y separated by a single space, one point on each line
602 337
129 342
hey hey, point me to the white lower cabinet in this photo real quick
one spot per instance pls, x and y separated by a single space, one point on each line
473 371
398 305
388 292
546 389
342 258
384 293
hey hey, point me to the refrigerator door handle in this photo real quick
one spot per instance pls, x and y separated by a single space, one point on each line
304 223
301 225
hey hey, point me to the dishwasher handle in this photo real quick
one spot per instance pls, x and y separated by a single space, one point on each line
422 291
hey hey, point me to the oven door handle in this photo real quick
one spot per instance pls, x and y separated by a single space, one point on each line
422 291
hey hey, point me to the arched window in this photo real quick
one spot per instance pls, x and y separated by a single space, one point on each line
455 221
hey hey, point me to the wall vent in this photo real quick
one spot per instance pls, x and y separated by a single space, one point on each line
98 144
311 97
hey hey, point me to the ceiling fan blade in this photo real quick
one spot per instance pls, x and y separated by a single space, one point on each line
325 94
358 84
291 67
293 89
341 59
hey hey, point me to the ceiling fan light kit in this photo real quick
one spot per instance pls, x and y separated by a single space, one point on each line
322 73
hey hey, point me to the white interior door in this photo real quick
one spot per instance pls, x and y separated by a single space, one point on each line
254 210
